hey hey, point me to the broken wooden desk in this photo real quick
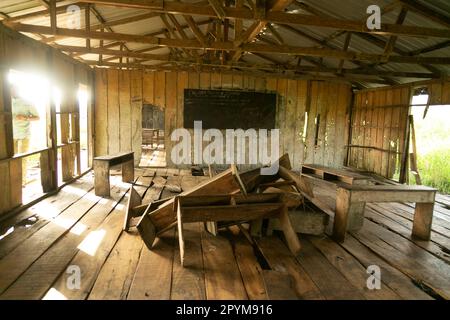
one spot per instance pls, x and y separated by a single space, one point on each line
101 171
237 208
351 201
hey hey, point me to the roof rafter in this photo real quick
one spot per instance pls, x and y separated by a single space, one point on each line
251 47
275 16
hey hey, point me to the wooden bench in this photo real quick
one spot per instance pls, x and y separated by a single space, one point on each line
101 170
351 201
333 174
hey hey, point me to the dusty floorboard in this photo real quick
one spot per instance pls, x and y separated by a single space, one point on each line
76 229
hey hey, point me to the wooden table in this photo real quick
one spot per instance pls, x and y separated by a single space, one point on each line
334 174
351 201
101 170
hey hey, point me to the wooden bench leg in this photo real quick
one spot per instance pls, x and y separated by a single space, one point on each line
101 178
180 233
356 216
423 218
133 201
289 232
128 171
349 216
147 230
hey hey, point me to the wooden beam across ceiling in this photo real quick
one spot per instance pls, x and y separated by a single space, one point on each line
162 57
198 67
250 47
176 7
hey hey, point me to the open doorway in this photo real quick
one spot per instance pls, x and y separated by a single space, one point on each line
431 132
153 149
30 112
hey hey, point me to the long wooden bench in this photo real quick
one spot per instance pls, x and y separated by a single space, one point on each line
351 201
104 163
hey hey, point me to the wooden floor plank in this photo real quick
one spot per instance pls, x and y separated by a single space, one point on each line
407 257
439 245
394 210
188 282
332 284
153 277
39 277
251 271
91 256
18 260
28 222
278 285
280 259
154 193
350 268
390 276
223 279
116 275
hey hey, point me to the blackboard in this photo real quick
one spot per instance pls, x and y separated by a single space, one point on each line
227 109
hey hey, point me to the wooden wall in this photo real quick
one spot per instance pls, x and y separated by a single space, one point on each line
24 54
439 92
378 130
121 94
379 124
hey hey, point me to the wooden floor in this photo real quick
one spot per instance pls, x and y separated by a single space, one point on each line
153 156
43 248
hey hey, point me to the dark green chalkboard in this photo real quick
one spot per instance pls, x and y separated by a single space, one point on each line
226 109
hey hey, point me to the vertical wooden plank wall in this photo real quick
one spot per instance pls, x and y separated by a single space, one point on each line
379 120
166 91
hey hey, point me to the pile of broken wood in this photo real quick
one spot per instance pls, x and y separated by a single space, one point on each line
231 198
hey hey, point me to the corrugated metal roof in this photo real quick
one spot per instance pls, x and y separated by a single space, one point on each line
349 10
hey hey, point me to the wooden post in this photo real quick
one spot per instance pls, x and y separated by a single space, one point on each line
46 171
413 154
15 181
52 132
405 152
423 218
101 177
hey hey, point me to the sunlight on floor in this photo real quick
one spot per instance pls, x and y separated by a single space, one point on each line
91 243
8 232
78 229
54 294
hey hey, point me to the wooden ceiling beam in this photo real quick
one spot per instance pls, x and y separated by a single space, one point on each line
259 25
393 39
110 52
252 70
176 7
345 48
250 47
195 29
113 23
217 6
164 57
